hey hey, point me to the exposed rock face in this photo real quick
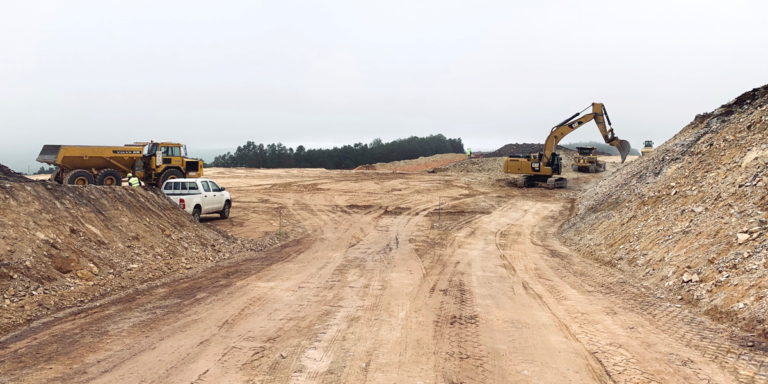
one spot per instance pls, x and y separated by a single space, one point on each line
695 206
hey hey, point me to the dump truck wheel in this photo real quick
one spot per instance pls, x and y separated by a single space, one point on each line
196 214
78 177
169 175
110 178
592 169
224 214
55 176
575 168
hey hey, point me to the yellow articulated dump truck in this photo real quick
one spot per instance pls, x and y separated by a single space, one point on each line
586 161
152 162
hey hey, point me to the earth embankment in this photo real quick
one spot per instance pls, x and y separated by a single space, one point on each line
691 219
65 246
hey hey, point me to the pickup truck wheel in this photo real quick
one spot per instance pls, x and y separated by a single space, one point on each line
78 177
169 175
110 178
196 214
224 214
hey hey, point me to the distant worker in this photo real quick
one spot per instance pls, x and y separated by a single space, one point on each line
469 153
133 181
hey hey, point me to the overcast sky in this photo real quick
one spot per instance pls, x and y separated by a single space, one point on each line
214 74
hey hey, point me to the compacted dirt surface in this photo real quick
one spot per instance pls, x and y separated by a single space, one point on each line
386 278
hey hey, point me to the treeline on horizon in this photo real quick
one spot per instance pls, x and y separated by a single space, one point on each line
252 155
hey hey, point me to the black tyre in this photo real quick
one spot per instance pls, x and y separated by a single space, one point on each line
592 168
224 214
56 176
78 177
110 178
196 214
169 175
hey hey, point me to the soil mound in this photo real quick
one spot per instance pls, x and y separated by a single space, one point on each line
416 165
63 246
529 148
691 219
521 149
7 174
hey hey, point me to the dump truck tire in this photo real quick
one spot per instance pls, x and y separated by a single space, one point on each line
169 175
78 177
575 168
110 178
55 176
592 168
224 214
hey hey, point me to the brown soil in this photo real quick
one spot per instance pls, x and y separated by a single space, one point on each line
690 220
9 175
420 164
64 246
380 283
524 149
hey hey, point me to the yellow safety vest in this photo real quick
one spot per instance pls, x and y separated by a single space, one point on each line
134 182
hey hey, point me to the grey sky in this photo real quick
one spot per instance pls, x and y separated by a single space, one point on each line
214 74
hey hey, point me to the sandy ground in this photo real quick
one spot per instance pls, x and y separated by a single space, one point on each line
385 285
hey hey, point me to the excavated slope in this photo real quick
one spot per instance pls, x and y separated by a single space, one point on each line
691 220
63 246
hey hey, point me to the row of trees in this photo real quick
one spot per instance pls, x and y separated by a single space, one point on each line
252 155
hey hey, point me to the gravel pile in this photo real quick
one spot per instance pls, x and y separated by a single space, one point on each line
691 219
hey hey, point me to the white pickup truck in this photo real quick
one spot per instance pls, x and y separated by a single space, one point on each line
199 197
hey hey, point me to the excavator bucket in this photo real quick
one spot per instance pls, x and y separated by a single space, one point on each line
623 147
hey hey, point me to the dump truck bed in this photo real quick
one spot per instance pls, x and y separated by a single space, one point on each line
90 156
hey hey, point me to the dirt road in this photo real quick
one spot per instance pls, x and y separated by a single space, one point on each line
381 286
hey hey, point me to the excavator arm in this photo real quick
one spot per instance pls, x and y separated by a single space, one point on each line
600 116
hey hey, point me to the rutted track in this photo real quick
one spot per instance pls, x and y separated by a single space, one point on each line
382 288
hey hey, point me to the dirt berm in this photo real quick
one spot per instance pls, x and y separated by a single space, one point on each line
690 221
65 246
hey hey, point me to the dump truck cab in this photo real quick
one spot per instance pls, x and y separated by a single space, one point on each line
647 147
587 151
164 160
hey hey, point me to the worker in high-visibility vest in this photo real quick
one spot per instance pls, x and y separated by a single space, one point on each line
133 181
469 153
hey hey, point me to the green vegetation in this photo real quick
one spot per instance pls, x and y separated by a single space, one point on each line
602 147
44 171
252 155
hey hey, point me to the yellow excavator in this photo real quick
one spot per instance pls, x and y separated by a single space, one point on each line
544 166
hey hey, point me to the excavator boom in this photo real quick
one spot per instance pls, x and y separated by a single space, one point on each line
600 116
543 166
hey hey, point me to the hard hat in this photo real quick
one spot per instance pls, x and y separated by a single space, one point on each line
130 175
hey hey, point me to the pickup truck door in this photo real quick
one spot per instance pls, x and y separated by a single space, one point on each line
218 196
209 201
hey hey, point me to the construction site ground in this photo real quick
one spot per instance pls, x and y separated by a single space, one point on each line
387 277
